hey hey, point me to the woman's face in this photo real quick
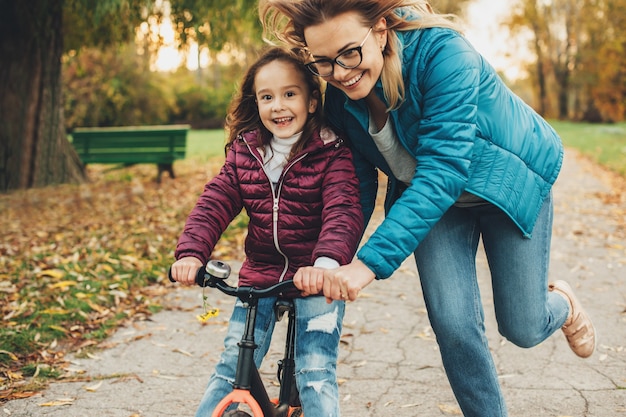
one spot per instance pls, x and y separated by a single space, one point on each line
335 36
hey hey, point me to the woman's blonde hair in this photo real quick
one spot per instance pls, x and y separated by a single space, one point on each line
285 20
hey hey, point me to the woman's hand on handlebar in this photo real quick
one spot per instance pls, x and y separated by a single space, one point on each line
184 270
345 282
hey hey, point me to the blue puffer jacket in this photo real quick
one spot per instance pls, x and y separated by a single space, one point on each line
468 132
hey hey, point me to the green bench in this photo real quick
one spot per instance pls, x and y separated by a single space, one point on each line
130 145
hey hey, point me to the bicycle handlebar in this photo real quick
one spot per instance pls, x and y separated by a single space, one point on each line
215 274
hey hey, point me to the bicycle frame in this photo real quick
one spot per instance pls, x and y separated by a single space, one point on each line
248 387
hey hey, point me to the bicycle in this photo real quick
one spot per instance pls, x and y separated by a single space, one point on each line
248 387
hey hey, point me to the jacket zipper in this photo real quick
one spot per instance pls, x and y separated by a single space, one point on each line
276 195
275 201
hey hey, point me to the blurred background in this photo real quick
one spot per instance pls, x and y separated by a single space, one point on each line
71 63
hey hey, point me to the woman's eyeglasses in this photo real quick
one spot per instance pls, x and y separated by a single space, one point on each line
348 59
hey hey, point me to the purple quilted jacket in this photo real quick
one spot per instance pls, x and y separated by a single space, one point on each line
313 212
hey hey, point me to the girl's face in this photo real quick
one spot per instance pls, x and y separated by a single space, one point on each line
283 99
330 39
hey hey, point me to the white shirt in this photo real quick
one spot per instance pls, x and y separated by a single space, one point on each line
277 154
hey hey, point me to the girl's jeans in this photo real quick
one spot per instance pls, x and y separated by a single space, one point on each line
525 311
318 329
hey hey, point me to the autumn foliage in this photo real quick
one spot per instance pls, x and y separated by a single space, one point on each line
77 261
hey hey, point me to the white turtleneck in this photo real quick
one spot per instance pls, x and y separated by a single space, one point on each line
276 155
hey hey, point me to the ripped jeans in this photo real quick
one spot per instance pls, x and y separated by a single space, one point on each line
318 329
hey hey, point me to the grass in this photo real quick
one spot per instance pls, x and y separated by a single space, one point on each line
604 144
205 144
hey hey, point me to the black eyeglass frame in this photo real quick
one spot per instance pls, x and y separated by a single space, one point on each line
336 60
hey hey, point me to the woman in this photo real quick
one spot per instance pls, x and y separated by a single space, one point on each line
466 159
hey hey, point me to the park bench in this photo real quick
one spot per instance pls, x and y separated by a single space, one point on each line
129 145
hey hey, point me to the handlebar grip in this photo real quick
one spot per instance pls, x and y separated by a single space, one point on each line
215 270
200 277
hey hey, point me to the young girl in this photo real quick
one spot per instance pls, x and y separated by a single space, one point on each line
466 160
296 180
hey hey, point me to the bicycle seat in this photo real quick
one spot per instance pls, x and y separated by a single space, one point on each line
281 306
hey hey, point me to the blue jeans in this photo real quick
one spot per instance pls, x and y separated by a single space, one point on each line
318 329
525 311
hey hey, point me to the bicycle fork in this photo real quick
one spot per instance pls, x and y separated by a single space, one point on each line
248 387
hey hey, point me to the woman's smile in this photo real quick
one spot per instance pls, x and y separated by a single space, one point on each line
352 81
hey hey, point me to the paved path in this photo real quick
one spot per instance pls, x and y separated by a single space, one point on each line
389 364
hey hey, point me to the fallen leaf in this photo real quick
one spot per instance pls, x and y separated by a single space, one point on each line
60 401
53 273
450 409
94 388
11 355
183 352
63 284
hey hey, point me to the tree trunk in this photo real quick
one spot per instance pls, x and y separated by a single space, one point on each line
542 92
34 150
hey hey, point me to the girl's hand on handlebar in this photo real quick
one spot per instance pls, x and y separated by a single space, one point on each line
309 280
184 270
345 282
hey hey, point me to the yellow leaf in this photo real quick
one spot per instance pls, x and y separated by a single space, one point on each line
14 376
203 318
130 259
54 273
11 355
54 310
63 284
59 328
60 401
96 307
450 409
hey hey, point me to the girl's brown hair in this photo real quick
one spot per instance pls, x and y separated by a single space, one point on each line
285 21
243 113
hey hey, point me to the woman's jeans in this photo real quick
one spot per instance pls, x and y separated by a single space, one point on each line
318 329
525 311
